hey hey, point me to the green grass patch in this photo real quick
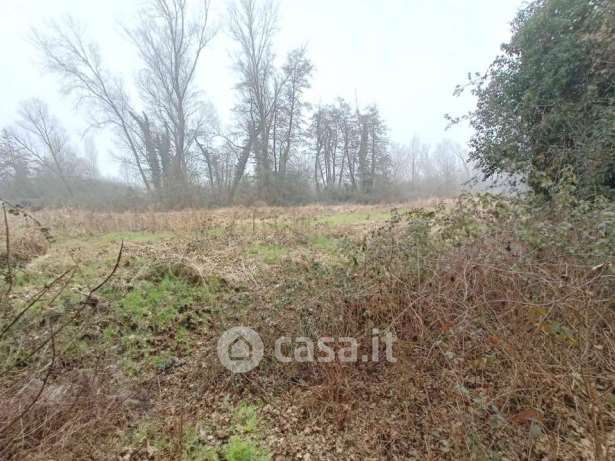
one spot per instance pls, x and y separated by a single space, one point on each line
243 445
155 320
346 218
240 449
324 243
215 232
27 278
157 305
269 253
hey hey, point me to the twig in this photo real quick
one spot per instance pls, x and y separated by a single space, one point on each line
43 385
111 274
85 302
9 270
21 210
32 302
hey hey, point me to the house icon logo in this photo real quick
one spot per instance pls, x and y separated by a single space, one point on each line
240 349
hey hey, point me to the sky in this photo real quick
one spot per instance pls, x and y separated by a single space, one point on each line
406 56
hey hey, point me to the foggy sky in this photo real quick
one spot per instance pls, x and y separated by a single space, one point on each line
404 55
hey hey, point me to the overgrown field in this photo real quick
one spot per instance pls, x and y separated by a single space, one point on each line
503 313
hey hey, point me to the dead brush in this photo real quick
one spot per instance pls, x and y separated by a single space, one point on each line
176 266
75 222
24 237
27 246
45 411
66 420
505 346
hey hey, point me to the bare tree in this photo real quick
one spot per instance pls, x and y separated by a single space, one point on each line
289 113
12 165
409 161
326 138
349 138
252 26
90 153
170 40
451 164
67 53
350 148
42 141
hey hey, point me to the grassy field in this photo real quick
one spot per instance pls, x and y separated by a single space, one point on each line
504 341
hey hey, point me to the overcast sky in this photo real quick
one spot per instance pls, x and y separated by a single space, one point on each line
404 55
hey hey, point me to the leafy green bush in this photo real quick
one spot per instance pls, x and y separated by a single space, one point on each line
548 102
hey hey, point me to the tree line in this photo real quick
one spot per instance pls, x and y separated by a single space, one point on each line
279 149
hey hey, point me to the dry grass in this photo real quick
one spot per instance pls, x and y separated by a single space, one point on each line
504 324
69 416
26 240
75 222
504 349
491 360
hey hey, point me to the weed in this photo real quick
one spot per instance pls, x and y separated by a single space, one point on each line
240 449
246 418
148 432
156 306
195 449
